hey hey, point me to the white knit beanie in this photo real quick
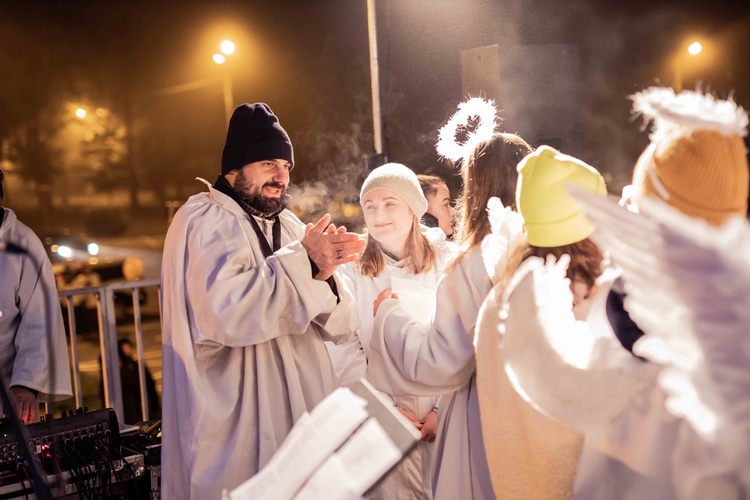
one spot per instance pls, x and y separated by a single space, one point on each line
400 180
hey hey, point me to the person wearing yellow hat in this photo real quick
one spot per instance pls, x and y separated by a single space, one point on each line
554 223
529 454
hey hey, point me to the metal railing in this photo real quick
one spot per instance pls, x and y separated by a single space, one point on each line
107 325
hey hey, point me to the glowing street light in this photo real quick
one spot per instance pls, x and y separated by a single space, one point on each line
80 113
227 47
695 48
682 60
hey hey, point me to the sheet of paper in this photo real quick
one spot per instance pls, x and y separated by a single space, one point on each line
417 298
331 481
358 465
311 441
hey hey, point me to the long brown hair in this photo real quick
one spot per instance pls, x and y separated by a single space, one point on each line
419 250
490 170
585 260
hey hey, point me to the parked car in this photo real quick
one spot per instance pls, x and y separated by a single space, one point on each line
78 263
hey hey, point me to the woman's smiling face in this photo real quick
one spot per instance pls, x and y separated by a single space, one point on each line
388 219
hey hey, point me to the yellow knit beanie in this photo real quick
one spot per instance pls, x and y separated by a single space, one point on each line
551 217
696 161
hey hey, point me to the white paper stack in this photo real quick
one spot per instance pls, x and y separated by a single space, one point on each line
338 451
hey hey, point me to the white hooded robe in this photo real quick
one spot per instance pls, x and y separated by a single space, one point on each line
413 476
411 358
33 348
243 344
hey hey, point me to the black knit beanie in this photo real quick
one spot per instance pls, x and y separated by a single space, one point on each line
254 134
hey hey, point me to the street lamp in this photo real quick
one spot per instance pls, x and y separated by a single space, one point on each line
693 50
227 48
80 113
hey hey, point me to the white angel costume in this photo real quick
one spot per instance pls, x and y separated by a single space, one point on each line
529 454
412 358
676 427
412 478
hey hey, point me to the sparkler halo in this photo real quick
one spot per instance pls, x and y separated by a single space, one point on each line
448 147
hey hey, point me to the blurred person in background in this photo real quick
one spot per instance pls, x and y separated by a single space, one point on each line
440 212
33 348
131 389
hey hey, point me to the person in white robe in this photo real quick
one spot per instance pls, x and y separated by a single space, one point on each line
33 348
411 358
696 163
531 455
248 296
672 422
407 257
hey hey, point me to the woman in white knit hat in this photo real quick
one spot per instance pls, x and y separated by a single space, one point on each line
439 358
407 257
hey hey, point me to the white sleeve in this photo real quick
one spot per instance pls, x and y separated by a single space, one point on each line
408 358
41 362
237 301
348 359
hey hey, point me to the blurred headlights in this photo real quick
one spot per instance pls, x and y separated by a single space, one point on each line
64 252
93 249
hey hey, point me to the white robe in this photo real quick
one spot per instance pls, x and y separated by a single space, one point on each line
633 459
439 359
243 345
412 477
33 348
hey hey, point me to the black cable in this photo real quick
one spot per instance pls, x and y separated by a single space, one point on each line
93 463
101 464
90 477
23 483
132 471
102 446
80 462
73 467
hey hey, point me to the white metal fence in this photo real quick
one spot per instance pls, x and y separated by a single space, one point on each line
107 326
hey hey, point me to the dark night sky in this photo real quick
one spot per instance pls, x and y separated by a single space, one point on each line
309 61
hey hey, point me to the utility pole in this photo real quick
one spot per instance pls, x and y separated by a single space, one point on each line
377 124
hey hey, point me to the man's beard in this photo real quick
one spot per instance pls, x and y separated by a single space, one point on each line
248 193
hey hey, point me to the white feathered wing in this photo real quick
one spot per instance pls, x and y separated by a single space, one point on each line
688 286
559 365
506 232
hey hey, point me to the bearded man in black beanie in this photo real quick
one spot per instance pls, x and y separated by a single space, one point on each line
249 294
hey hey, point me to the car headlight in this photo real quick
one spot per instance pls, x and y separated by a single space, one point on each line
64 252
93 249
